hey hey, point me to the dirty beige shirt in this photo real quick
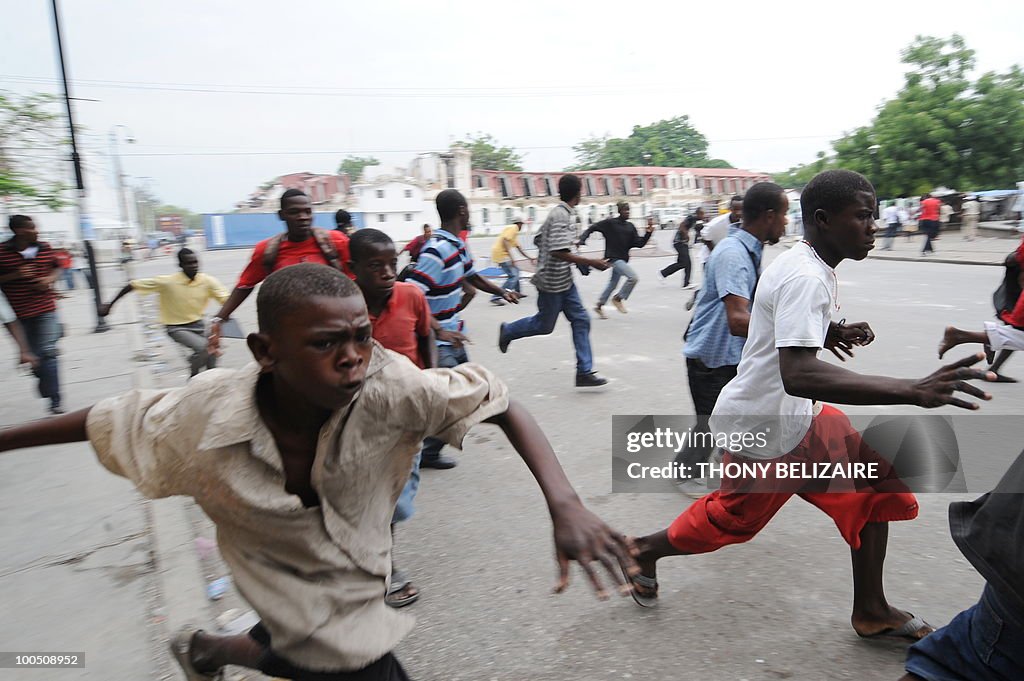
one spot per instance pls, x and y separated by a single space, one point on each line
316 576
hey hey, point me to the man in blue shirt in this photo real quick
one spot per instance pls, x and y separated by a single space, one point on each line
442 267
718 328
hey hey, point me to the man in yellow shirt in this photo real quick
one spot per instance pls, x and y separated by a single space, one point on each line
183 299
501 255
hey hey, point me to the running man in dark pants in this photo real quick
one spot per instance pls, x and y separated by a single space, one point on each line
28 270
718 330
681 243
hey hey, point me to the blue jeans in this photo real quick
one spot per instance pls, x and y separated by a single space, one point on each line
981 644
549 305
405 506
512 277
43 332
448 357
620 268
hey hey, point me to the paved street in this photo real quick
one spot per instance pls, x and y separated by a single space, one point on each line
77 547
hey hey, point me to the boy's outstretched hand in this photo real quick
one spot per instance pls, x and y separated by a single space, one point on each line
582 536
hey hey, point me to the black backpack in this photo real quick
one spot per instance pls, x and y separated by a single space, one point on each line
1005 297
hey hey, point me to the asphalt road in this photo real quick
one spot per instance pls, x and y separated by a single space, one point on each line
479 546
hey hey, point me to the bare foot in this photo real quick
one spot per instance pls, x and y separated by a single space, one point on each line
890 623
950 339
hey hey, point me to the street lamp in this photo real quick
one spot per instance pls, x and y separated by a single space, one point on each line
119 177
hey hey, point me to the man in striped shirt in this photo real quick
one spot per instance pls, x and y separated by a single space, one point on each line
28 270
443 266
557 290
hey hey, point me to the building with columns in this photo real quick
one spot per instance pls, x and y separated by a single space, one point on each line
400 200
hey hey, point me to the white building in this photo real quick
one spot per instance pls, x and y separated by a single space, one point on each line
394 203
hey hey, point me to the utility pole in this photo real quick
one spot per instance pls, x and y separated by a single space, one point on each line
85 230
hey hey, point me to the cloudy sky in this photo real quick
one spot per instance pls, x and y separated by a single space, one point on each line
222 96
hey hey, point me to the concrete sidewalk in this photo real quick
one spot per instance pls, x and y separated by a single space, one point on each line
949 248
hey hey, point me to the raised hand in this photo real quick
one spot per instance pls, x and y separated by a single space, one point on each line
843 337
940 388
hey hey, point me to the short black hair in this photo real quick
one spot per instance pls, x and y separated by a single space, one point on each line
16 221
448 204
184 252
291 194
342 218
360 242
832 191
289 287
736 197
761 198
569 187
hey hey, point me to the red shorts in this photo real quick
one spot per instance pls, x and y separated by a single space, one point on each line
738 511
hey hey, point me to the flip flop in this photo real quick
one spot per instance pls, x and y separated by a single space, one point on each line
646 583
904 632
398 584
181 646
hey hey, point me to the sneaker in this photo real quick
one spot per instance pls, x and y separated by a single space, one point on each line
590 380
619 304
497 301
691 302
600 312
503 340
57 410
439 462
662 279
688 287
695 488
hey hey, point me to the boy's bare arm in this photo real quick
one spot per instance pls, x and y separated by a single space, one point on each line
426 346
52 431
579 534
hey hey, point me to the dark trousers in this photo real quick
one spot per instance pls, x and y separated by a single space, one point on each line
448 357
931 230
386 668
43 332
705 385
682 262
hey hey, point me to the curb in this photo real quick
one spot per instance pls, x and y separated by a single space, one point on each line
178 575
948 261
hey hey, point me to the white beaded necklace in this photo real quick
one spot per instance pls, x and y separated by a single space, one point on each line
835 279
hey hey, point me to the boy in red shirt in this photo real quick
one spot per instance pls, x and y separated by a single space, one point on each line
402 323
300 243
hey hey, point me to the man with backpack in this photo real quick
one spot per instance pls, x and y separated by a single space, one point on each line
300 243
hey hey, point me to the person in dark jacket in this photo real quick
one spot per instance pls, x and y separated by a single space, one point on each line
620 236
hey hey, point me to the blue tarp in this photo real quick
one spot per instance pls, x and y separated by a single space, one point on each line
245 230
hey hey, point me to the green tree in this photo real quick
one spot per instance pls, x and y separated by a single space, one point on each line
354 165
31 145
673 142
942 128
798 176
489 155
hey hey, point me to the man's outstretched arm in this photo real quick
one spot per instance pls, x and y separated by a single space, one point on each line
804 375
579 534
52 431
104 310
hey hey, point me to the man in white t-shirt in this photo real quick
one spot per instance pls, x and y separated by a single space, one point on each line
773 396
